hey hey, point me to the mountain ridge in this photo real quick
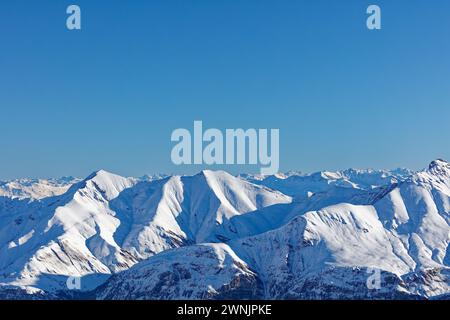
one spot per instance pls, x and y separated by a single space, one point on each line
106 228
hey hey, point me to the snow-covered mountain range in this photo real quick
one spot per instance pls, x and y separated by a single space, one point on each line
216 236
35 188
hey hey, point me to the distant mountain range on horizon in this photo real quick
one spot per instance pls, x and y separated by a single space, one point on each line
217 236
39 188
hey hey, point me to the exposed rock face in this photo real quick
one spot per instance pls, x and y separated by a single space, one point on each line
196 272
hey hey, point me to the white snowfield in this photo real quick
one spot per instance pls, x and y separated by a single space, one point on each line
216 236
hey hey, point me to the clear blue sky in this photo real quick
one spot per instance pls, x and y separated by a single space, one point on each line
110 95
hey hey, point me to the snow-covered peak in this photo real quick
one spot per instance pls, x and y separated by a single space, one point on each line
316 246
439 167
212 174
102 174
109 184
436 176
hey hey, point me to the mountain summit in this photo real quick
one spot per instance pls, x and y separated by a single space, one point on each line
214 235
439 167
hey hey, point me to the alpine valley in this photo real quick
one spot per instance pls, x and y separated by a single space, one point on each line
325 235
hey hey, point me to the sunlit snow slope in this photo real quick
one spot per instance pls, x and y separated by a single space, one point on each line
216 236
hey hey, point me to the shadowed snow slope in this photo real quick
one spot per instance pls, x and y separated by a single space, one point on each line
107 223
404 232
332 253
183 210
151 235
71 234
